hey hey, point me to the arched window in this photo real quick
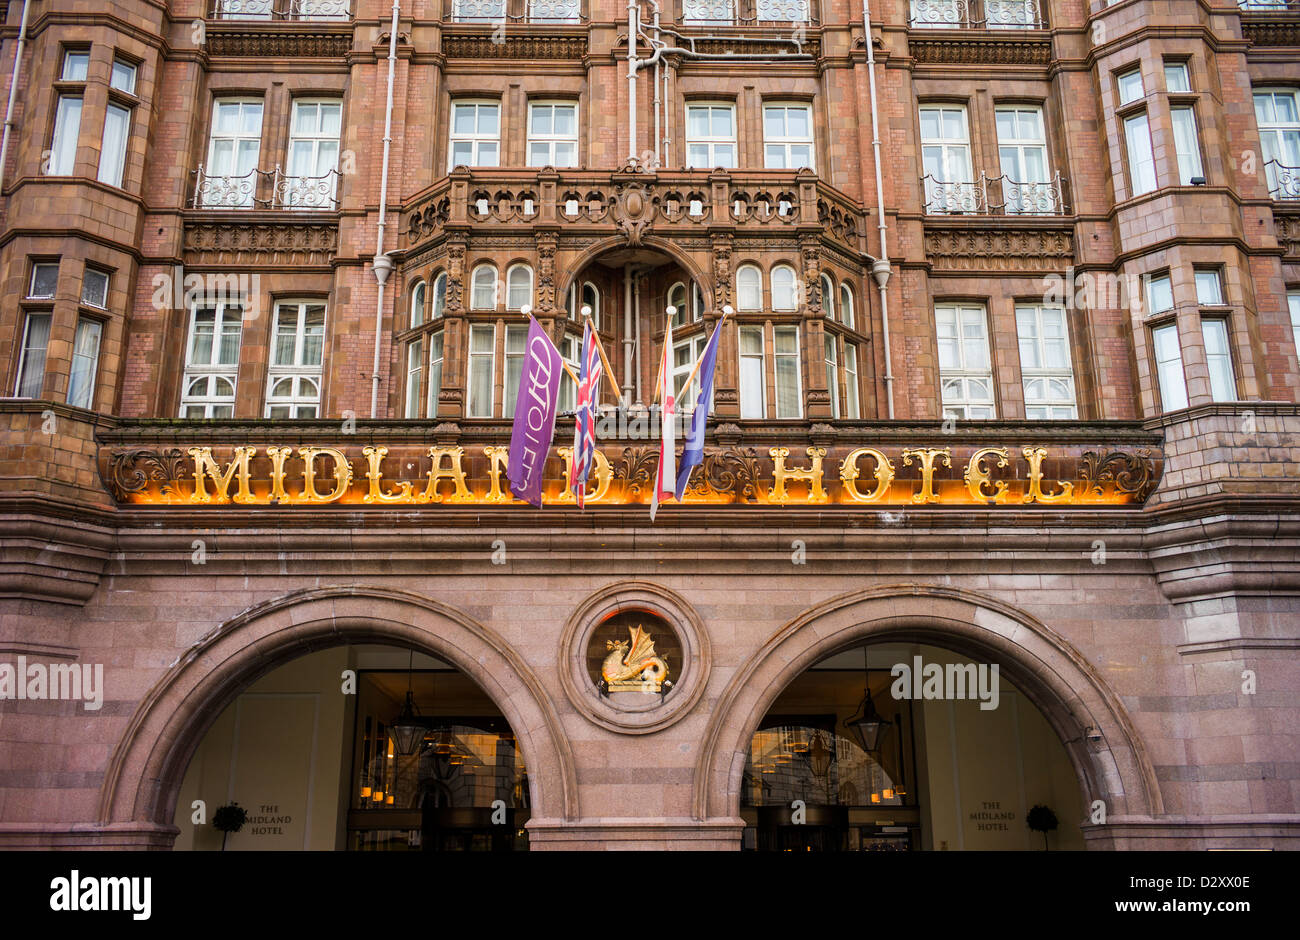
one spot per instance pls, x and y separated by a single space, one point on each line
484 293
783 289
697 302
439 295
677 300
846 306
749 288
591 298
828 296
519 286
418 293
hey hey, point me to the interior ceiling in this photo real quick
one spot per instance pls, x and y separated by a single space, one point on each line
639 256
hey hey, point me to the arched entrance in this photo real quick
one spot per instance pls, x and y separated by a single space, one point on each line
143 783
1106 755
895 746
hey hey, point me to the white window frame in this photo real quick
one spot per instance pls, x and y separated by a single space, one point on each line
31 281
570 352
1125 89
551 141
1044 407
963 375
476 138
29 365
113 144
785 298
513 288
1187 144
1217 335
301 187
847 314
1207 280
1173 394
439 304
828 295
946 162
419 299
67 129
777 333
852 384
76 65
119 68
1142 176
711 141
831 355
685 397
1293 304
1165 291
98 300
477 289
301 371
513 366
1279 139
1177 68
749 296
213 369
414 375
749 395
435 369
1017 155
478 361
237 140
785 144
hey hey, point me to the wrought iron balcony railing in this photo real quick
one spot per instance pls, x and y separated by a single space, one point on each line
281 9
964 14
1283 180
999 195
557 12
1270 6
742 13
258 189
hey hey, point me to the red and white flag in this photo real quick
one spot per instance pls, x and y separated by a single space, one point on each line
666 475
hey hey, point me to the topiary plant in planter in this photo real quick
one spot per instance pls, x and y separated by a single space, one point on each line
227 819
1041 819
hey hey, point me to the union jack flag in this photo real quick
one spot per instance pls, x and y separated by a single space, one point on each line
590 371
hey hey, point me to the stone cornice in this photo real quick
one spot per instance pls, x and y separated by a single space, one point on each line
480 45
997 245
290 40
980 49
1272 32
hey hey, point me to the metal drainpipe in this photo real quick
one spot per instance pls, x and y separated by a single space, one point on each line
13 91
383 265
632 22
627 335
654 5
880 270
636 313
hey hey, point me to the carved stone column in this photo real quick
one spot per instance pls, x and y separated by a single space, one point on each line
817 399
726 397
451 398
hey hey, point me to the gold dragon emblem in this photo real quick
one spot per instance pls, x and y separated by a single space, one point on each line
633 666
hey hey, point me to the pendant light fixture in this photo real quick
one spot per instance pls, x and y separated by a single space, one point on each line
408 729
867 724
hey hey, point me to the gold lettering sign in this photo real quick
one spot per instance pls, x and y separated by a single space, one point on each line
865 477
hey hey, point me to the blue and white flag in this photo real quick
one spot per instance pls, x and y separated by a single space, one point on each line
693 454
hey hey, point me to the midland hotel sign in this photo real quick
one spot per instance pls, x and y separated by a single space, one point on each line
998 473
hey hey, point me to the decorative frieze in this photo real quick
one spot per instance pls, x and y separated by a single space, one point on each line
1272 33
240 242
981 50
998 249
511 46
278 43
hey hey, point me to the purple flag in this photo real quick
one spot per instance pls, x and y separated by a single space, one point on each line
535 408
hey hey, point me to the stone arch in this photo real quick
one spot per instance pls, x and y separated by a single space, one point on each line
1057 678
596 249
145 772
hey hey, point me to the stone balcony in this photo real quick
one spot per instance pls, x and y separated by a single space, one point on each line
636 204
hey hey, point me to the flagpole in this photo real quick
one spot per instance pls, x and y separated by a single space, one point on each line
595 334
659 380
527 310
